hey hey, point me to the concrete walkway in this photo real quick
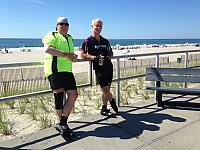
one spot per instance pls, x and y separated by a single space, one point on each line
140 126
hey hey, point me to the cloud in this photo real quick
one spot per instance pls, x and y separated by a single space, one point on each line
36 2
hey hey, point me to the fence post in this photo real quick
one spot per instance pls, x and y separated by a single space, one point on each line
90 73
157 61
186 65
186 60
118 82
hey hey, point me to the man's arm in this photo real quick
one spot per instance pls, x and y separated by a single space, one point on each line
55 52
87 56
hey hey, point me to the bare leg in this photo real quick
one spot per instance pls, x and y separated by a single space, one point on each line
110 99
106 90
106 94
69 103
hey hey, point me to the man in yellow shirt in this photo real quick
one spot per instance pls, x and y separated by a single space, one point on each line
59 55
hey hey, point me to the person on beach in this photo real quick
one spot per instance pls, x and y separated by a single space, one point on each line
98 50
6 50
59 55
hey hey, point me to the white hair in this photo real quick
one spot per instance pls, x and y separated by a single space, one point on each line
96 19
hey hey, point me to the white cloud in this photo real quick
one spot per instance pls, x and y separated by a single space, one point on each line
36 2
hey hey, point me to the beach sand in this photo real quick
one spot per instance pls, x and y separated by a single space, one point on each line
37 56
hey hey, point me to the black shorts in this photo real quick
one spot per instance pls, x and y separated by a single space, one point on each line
64 80
104 76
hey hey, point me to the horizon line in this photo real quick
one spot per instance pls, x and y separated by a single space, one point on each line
108 38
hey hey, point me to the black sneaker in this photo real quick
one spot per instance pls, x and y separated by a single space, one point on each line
65 131
62 128
113 105
106 112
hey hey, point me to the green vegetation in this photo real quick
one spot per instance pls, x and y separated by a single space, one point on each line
40 109
5 124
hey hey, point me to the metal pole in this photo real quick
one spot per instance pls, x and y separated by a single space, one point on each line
118 82
186 60
186 65
90 73
157 61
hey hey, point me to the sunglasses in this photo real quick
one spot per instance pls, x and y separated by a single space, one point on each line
62 24
98 26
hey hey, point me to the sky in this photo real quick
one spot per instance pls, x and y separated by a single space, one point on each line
122 19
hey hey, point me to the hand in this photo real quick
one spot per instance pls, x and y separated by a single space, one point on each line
101 58
71 56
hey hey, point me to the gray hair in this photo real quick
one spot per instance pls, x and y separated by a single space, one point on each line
96 19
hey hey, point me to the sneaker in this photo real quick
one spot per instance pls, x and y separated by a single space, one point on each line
106 112
65 132
62 128
113 105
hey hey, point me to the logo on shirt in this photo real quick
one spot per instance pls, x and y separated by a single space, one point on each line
100 46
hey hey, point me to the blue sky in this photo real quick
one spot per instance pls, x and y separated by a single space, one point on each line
137 19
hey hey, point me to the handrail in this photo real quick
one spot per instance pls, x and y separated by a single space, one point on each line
156 53
2 99
118 79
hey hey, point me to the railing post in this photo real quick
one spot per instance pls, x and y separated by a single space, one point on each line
90 73
186 65
157 61
118 82
186 60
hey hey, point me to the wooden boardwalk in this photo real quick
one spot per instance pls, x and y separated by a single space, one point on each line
138 126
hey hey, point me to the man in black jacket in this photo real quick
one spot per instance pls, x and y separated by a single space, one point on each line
98 50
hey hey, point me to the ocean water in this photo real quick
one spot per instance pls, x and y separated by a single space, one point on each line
26 42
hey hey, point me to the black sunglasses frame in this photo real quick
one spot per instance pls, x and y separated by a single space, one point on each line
66 24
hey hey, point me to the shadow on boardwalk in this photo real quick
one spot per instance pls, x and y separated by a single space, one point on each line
129 126
134 125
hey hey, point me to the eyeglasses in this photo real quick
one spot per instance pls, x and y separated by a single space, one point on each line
62 24
98 26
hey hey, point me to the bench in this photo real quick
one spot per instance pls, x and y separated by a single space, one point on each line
183 75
